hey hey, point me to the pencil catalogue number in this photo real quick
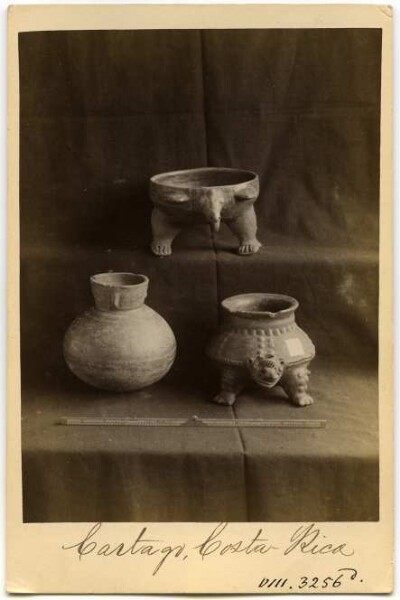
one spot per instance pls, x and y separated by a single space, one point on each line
330 582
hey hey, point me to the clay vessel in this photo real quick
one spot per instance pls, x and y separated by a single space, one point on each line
260 341
207 195
120 344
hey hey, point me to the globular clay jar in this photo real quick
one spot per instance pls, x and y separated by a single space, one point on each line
120 344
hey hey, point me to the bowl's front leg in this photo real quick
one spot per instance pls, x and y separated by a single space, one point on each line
164 232
244 227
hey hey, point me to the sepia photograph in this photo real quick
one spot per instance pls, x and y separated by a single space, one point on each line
200 299
199 274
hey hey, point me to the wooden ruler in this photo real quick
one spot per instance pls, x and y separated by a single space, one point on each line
194 421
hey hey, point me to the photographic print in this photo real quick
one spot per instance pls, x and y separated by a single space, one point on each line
199 240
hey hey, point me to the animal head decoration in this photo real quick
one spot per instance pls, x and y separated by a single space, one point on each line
210 204
266 369
213 203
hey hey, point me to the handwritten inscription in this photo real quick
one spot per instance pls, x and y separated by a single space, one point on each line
214 544
306 539
307 582
141 545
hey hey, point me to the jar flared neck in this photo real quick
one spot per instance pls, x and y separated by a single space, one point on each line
266 308
237 321
119 291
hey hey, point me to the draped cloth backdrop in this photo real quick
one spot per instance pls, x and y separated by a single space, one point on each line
100 113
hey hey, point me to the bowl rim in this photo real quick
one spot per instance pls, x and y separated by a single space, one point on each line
155 179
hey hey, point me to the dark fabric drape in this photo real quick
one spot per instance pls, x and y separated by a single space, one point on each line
302 109
102 111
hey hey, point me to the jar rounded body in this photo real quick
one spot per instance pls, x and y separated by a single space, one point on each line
120 350
242 338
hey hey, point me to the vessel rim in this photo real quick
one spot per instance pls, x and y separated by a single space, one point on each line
252 177
144 279
293 305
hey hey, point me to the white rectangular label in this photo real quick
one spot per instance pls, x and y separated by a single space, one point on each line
294 347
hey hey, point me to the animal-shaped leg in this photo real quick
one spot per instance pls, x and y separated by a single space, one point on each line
295 383
231 385
164 232
244 228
